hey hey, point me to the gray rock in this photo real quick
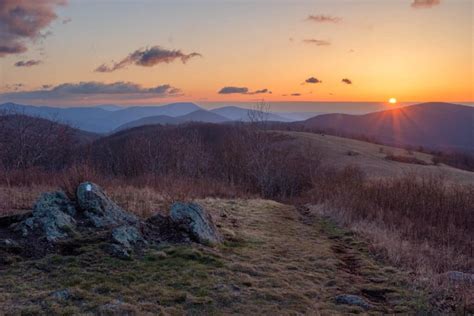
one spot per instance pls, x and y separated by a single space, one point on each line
354 300
192 218
117 251
9 245
460 277
51 216
100 209
127 236
61 295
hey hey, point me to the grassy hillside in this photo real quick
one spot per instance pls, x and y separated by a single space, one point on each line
275 260
372 158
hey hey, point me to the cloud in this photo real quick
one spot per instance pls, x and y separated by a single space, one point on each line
23 21
321 18
425 3
149 57
295 94
316 42
93 89
262 91
346 81
15 86
27 63
242 90
313 80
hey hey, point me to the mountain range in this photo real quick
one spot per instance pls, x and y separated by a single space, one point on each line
109 117
442 126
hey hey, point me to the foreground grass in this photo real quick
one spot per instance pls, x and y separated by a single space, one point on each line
275 260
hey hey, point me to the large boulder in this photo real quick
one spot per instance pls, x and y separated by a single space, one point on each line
52 217
99 209
193 219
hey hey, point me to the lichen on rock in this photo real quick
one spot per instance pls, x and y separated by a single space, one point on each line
192 218
52 217
99 208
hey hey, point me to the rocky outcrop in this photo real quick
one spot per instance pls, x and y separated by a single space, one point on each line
100 209
52 218
195 221
60 224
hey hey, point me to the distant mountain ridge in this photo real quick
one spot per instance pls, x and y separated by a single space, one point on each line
235 113
109 117
97 119
431 125
201 116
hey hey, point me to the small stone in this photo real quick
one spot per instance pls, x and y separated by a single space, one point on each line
460 277
117 251
127 236
8 244
354 300
62 295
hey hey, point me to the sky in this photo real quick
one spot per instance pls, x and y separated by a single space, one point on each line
85 52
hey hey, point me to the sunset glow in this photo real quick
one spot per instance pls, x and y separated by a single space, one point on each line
392 101
235 51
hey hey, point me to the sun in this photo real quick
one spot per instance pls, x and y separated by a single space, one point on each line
392 101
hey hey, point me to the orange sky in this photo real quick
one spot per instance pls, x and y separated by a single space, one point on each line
414 50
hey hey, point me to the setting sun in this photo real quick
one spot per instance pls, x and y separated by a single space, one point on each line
392 100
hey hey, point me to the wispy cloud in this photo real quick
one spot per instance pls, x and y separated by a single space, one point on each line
92 89
313 80
27 63
149 57
295 94
24 20
317 42
346 81
425 3
242 90
322 18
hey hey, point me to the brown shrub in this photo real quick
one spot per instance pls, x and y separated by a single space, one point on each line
424 211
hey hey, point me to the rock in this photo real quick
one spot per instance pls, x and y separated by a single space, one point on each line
61 295
460 277
116 307
160 228
193 219
127 236
349 299
51 217
100 209
10 246
117 251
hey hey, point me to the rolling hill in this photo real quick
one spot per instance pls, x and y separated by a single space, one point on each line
431 125
372 159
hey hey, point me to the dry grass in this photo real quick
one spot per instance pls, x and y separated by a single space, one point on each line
274 261
421 210
422 224
371 160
